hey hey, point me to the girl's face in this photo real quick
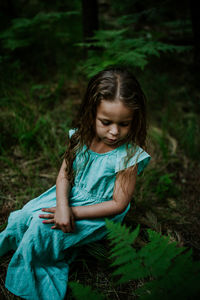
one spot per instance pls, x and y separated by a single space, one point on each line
113 122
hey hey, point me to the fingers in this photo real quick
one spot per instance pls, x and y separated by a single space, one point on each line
45 216
48 221
57 226
65 229
50 218
66 226
49 209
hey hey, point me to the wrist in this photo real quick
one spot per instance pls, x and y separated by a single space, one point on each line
75 212
62 203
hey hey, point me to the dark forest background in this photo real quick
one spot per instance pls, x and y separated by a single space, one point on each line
48 50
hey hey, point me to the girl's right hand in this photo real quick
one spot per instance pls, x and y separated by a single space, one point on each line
61 216
64 219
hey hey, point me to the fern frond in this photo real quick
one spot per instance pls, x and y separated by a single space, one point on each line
23 31
125 256
116 47
131 271
102 35
117 232
158 253
121 251
170 273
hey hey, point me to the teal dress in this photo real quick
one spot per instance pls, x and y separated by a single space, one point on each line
40 264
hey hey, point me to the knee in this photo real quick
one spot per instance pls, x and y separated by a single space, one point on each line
19 218
42 242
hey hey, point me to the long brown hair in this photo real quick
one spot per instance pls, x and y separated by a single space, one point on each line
113 83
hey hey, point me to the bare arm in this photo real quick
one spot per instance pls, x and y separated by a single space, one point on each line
62 187
123 192
63 216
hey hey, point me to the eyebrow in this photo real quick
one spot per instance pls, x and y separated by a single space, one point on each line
107 119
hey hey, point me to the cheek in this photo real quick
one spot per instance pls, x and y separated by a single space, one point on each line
99 126
126 130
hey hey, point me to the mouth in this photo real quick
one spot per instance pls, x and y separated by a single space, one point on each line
112 141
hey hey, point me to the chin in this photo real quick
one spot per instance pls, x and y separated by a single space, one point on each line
112 142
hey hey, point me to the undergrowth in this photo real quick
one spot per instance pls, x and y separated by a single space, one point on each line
41 87
35 120
166 270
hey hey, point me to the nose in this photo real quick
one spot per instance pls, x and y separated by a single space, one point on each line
114 130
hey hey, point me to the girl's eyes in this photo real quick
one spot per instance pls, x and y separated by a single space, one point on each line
124 124
106 123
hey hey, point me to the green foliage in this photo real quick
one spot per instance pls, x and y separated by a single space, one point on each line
118 47
84 292
163 145
44 39
161 186
162 141
135 35
34 124
28 132
166 186
188 130
123 245
24 31
168 271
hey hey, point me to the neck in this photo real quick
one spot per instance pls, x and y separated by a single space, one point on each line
99 146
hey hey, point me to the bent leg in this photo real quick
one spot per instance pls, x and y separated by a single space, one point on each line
18 223
40 260
38 267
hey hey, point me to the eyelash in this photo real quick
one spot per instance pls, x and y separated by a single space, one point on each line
105 123
108 123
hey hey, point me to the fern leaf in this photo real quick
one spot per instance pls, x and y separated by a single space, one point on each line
125 257
178 280
118 232
131 271
121 251
158 253
108 34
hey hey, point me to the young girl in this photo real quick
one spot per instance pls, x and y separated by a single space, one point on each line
96 180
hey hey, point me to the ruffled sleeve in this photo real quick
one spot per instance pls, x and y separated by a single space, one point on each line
71 132
139 157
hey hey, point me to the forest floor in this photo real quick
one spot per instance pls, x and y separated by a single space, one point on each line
166 197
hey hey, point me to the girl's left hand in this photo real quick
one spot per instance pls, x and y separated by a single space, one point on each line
50 217
52 220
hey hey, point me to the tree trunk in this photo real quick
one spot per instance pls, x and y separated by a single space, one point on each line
89 18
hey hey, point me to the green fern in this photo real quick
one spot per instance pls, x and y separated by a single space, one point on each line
116 47
168 271
24 31
168 267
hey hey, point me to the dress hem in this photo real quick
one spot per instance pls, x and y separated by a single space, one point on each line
14 293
